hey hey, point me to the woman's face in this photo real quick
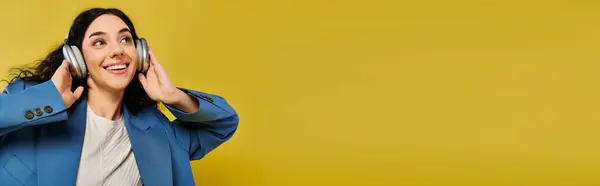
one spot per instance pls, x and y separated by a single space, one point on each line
109 52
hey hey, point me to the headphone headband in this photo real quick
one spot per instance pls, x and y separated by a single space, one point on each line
66 38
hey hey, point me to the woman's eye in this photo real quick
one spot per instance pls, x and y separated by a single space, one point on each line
97 43
125 40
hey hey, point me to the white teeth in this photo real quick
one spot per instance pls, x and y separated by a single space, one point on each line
116 67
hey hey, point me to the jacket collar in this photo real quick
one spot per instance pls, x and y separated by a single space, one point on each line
80 108
134 120
60 144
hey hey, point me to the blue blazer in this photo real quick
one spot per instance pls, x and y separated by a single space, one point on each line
41 140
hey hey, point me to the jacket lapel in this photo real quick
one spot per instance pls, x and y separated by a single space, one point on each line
60 146
151 147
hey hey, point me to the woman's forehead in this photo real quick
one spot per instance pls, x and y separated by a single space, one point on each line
109 24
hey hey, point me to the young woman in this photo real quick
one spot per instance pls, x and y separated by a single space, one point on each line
59 126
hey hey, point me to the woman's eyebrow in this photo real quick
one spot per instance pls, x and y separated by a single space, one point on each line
97 33
103 33
124 30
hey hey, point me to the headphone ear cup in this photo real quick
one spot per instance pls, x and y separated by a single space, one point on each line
70 56
80 61
142 52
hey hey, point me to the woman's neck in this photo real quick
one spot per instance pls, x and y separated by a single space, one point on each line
104 103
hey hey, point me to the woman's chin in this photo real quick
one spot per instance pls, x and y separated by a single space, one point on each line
112 82
117 84
118 87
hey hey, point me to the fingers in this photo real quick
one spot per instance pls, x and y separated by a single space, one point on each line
65 68
62 77
77 93
153 60
152 74
143 81
152 57
154 63
66 65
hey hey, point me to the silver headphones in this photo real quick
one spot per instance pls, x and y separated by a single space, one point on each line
79 69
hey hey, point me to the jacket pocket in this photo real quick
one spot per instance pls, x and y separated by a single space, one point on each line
14 168
8 179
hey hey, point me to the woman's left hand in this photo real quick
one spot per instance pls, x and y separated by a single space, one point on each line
160 88
157 83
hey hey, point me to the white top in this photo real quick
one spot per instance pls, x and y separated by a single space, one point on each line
106 157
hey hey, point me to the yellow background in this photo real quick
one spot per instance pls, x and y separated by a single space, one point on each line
346 92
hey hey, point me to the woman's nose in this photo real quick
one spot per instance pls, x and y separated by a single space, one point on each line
117 50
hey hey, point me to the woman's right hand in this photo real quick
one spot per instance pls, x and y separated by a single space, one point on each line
63 80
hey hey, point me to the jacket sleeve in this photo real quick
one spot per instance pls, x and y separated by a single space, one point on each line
19 100
212 124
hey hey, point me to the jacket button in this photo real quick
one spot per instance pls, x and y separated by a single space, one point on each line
48 109
38 112
29 115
